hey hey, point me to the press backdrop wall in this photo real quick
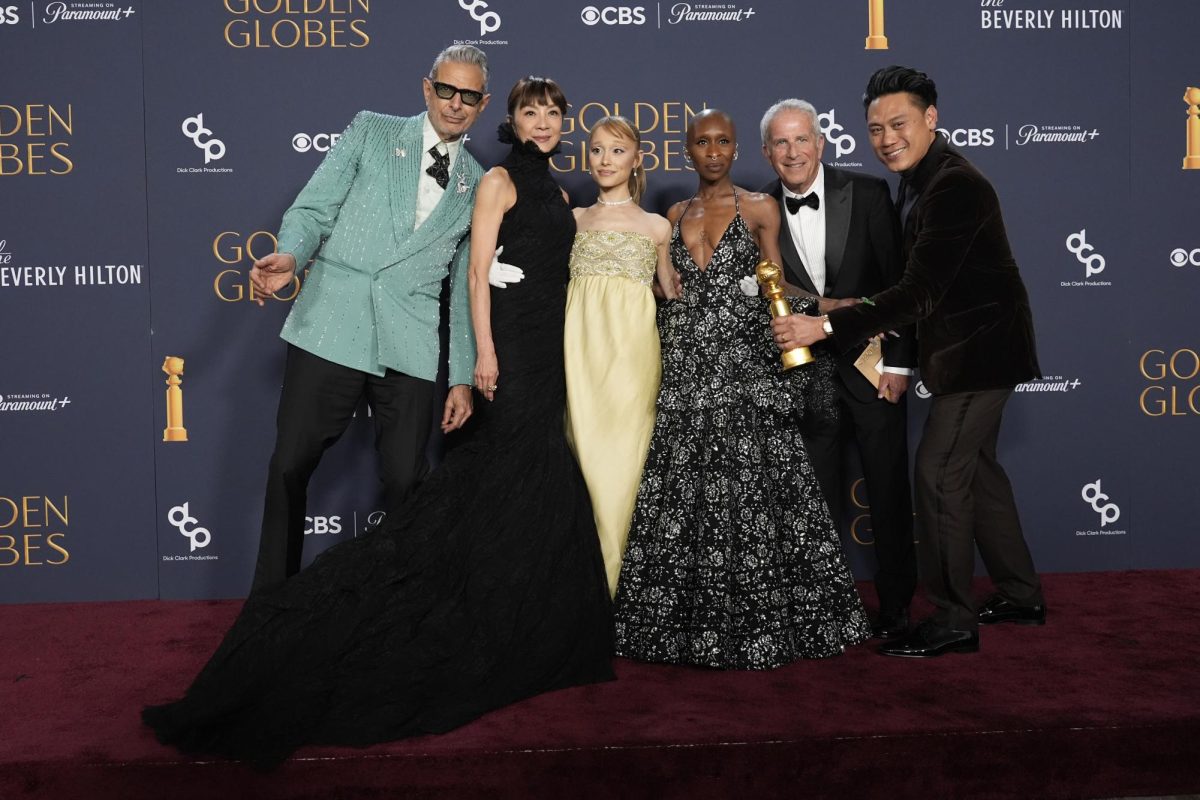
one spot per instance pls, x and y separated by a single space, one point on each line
148 149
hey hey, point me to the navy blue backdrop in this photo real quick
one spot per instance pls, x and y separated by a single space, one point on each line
148 150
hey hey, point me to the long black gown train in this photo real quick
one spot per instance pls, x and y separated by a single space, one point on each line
488 587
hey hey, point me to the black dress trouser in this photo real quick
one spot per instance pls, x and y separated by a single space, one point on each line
318 401
880 430
965 501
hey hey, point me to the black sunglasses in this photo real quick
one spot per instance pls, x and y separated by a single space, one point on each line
470 97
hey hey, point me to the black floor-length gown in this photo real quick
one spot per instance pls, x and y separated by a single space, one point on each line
488 587
733 561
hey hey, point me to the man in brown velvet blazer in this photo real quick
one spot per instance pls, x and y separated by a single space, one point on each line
975 343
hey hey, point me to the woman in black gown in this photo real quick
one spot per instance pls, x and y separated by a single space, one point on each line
488 586
733 561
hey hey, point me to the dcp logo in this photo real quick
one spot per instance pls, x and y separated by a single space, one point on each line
1109 512
613 15
489 21
1179 257
185 523
1077 244
9 15
193 128
969 137
844 143
320 142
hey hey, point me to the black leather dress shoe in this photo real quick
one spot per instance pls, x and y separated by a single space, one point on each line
997 609
890 625
929 639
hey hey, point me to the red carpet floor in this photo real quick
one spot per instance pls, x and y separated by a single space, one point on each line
1104 701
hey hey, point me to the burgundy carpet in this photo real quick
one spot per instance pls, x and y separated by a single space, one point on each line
1103 701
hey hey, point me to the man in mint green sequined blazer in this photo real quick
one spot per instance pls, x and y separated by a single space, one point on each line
385 219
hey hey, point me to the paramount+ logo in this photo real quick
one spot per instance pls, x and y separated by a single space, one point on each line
613 15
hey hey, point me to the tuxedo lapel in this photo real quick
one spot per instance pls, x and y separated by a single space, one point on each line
793 265
453 203
405 159
839 199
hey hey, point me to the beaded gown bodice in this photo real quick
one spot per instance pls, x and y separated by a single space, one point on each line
624 254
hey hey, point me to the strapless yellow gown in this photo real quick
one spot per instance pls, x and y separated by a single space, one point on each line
613 368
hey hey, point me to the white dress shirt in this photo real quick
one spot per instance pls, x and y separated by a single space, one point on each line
808 231
428 191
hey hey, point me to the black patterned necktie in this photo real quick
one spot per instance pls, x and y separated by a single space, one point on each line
794 203
439 170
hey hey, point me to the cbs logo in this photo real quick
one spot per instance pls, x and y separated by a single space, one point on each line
614 15
1181 257
318 526
9 15
969 137
320 142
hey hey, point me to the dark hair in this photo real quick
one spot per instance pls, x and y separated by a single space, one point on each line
893 79
534 90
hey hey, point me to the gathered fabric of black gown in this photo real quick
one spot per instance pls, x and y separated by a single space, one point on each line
733 561
486 588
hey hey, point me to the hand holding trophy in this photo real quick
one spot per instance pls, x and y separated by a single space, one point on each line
769 274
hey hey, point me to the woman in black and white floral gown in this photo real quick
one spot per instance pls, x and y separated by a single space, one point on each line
733 561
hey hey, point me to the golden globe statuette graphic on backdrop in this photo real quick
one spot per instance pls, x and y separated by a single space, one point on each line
875 37
1192 98
769 274
174 432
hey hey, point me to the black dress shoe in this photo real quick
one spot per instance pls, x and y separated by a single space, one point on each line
930 639
997 609
890 625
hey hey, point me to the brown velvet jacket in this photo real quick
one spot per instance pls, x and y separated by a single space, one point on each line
960 285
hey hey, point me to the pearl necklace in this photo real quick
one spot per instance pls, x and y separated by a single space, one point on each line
604 202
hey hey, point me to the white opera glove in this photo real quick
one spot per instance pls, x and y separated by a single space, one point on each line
749 286
500 274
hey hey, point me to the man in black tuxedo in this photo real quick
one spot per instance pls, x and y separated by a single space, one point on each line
839 238
975 336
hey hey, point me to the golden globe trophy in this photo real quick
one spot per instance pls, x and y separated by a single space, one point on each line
769 275
875 40
1192 98
174 432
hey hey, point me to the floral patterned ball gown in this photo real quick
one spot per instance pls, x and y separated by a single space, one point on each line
733 561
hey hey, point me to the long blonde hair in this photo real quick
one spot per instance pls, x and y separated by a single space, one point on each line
623 128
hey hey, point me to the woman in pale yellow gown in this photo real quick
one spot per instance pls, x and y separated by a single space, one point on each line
611 339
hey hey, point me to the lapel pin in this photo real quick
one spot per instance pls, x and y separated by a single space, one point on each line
400 153
462 187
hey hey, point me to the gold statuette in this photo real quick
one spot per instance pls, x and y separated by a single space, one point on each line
1192 98
769 275
174 432
875 40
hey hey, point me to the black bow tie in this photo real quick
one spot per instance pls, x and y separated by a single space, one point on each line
794 203
439 170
